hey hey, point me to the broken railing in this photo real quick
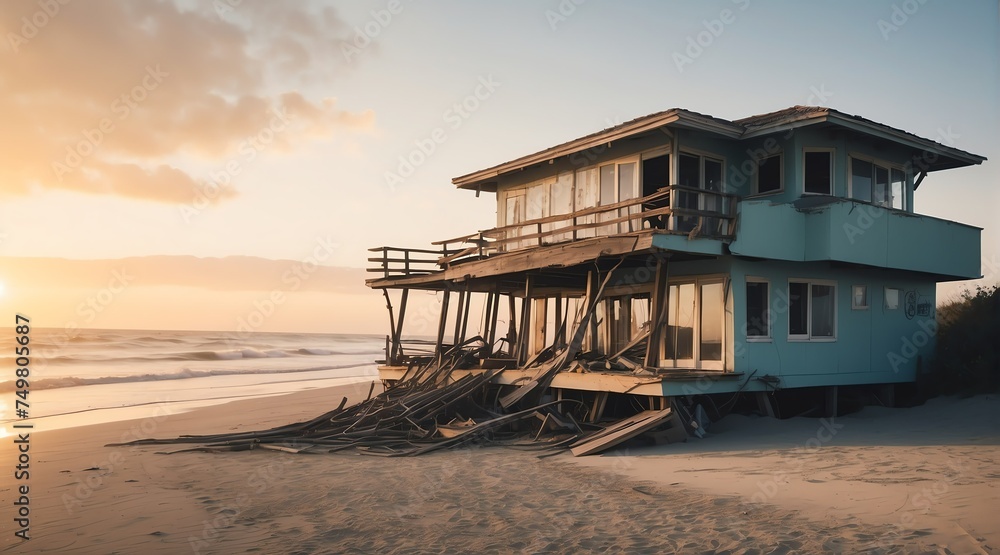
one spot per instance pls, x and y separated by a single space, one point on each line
395 261
675 209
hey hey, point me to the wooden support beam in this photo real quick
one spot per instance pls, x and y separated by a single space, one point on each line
398 342
523 344
442 324
512 325
390 346
659 309
600 401
560 337
538 330
465 315
488 317
460 315
494 299
591 306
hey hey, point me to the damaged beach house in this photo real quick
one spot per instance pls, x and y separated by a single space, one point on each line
680 255
645 279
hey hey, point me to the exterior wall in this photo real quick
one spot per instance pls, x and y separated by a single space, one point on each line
870 344
856 232
571 164
844 144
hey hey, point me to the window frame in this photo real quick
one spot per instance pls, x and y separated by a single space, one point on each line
696 361
854 298
833 169
767 312
755 187
876 162
702 155
885 297
808 337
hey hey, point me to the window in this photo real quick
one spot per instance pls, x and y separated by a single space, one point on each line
768 178
607 184
561 203
818 172
812 310
588 195
698 172
897 189
878 183
695 335
758 316
891 298
861 179
859 297
712 321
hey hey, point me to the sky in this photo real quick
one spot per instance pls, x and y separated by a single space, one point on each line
149 148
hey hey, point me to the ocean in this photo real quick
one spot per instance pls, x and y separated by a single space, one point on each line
99 376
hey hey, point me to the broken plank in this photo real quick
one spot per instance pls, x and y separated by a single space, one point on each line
619 432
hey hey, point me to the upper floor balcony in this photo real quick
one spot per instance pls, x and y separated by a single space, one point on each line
672 210
684 219
825 228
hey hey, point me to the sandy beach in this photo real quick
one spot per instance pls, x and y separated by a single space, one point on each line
921 480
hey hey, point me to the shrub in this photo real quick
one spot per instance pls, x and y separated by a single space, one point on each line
967 359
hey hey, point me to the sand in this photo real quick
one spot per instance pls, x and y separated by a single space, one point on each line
754 486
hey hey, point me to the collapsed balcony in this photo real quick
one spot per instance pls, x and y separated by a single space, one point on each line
673 210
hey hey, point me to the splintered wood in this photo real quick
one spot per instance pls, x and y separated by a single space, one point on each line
427 411
434 407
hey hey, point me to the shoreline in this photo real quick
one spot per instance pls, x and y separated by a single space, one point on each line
87 497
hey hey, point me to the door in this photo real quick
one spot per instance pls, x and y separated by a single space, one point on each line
695 337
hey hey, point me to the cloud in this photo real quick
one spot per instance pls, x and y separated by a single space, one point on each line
114 97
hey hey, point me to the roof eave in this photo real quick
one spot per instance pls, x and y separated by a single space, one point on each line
474 180
961 157
680 117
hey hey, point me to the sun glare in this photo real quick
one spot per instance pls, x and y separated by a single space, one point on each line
3 289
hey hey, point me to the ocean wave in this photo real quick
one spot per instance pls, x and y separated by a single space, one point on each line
58 383
226 354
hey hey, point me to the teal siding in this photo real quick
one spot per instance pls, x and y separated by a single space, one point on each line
873 345
858 233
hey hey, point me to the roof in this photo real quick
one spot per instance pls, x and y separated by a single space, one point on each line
745 128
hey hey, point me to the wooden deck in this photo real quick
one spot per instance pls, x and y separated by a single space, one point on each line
559 237
610 382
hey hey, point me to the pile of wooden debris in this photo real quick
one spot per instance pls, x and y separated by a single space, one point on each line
430 410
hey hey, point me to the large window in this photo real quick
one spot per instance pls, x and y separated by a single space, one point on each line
812 310
587 195
618 184
769 175
758 316
878 183
818 172
696 324
699 172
